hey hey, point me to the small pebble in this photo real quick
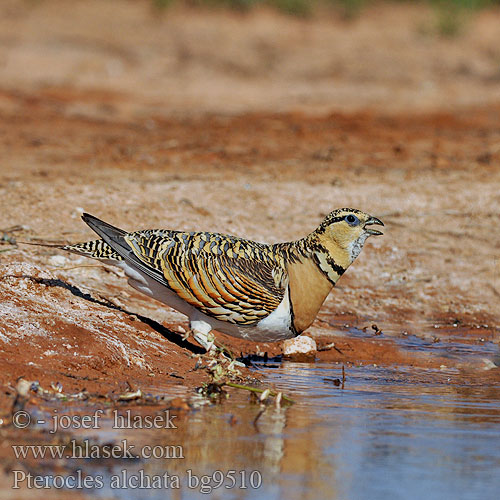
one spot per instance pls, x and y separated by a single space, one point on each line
300 349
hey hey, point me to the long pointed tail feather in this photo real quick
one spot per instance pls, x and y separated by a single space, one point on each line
95 249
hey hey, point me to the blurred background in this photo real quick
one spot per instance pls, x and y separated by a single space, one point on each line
247 55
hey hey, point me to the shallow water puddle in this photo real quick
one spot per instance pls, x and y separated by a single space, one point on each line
395 433
389 433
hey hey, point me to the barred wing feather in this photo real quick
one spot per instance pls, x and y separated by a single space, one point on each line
227 278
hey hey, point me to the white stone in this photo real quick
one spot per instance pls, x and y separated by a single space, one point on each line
298 347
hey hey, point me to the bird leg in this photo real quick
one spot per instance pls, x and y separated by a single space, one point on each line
202 333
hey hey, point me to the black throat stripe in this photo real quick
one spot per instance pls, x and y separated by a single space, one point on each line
334 266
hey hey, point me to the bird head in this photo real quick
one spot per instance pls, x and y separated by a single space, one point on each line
348 229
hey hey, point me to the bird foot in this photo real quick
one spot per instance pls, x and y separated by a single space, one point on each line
207 341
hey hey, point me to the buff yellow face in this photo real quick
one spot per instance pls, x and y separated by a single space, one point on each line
349 228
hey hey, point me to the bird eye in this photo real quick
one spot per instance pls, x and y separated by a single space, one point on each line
352 220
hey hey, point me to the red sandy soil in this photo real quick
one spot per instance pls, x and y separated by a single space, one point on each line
256 125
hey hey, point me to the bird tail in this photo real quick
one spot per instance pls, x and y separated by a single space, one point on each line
95 249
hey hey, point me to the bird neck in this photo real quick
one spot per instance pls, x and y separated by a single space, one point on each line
331 259
313 266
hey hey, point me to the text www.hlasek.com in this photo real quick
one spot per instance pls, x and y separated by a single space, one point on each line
84 450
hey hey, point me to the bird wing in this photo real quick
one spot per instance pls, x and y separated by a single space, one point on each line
228 278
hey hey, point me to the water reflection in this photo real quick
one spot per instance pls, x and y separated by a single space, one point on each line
390 433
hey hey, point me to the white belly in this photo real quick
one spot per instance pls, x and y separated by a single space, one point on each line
274 327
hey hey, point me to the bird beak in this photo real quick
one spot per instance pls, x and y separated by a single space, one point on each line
373 220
